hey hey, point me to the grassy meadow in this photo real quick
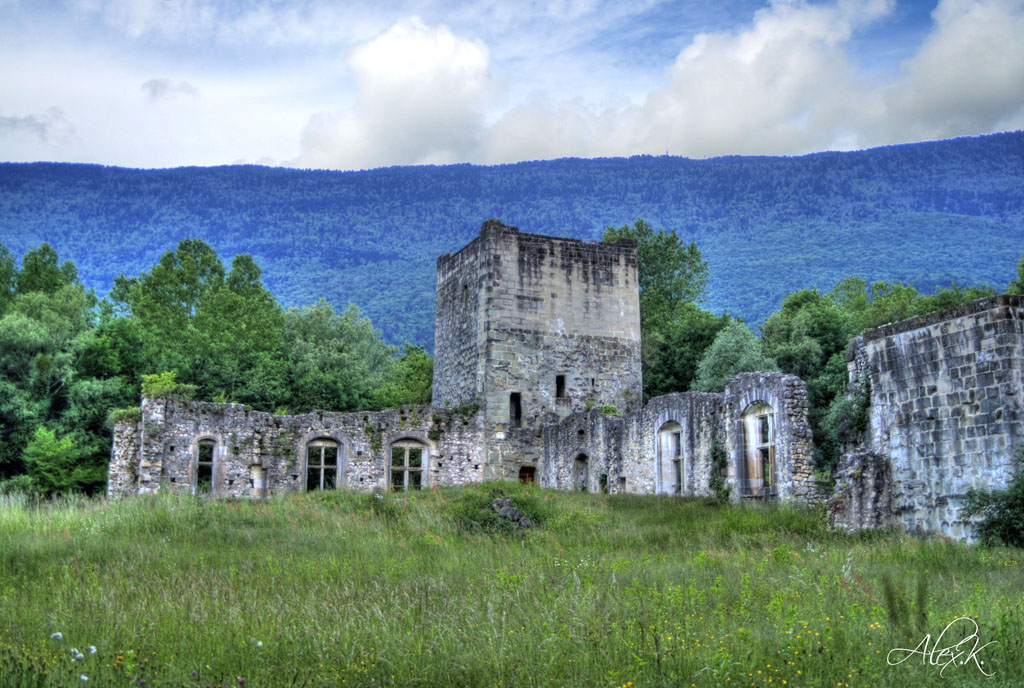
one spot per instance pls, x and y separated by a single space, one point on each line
347 589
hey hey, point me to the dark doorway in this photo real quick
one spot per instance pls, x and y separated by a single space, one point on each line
527 474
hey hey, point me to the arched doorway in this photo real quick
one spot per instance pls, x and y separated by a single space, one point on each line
671 469
757 469
581 474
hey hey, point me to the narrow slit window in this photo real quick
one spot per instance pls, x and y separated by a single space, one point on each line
560 386
515 410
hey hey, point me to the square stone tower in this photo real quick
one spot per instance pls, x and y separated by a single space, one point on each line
533 328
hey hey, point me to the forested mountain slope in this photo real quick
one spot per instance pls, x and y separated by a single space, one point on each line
924 214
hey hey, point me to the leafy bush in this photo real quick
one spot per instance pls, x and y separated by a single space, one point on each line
608 410
844 423
53 464
1001 511
131 414
166 386
719 464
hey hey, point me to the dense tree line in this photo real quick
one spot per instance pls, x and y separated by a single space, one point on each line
767 226
68 360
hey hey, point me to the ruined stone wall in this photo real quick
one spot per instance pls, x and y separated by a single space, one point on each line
638 455
123 473
648 470
593 435
863 493
794 454
946 406
254 448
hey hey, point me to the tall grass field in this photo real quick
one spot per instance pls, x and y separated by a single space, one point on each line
433 589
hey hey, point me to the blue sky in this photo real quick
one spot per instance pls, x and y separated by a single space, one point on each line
352 85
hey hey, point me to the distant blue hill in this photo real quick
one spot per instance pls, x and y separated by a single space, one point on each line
926 214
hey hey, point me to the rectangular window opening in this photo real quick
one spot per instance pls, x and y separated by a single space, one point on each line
560 386
515 411
204 468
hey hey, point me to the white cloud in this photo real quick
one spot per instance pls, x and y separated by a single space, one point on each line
160 89
419 92
782 85
493 81
49 127
967 78
788 85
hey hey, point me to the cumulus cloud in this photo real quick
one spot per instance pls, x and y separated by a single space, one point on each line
160 89
967 77
787 84
419 92
50 127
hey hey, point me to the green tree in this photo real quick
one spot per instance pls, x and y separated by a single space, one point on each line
42 271
336 361
671 272
8 278
409 380
672 278
735 350
42 336
53 464
223 332
676 350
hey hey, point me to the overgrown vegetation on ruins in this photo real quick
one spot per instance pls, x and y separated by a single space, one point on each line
686 347
70 364
347 589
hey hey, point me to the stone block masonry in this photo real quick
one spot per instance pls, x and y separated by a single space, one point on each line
256 454
535 328
946 410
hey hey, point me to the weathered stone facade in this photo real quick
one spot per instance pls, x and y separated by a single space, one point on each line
946 411
535 328
538 351
257 454
640 452
538 354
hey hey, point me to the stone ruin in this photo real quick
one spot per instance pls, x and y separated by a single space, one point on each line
537 378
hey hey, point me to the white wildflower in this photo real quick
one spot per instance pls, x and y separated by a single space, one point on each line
57 636
92 649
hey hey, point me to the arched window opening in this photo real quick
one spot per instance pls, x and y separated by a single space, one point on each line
580 474
204 467
322 465
758 451
670 458
407 460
